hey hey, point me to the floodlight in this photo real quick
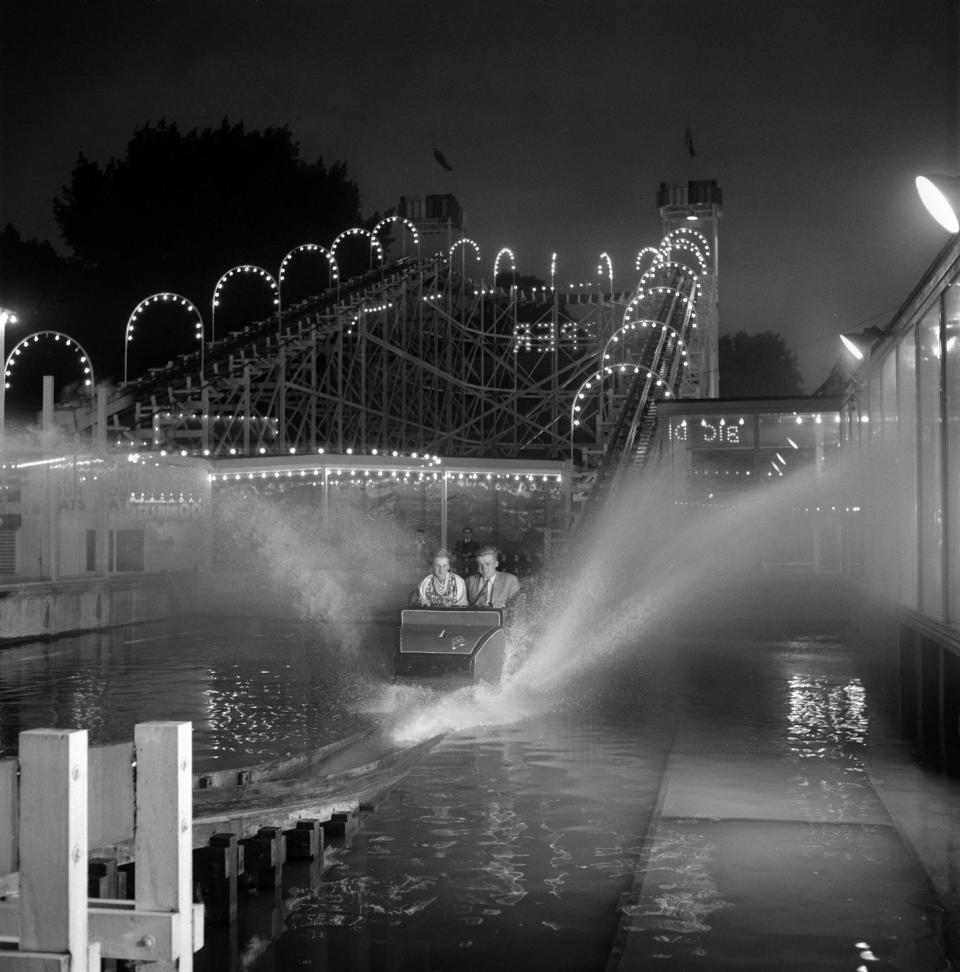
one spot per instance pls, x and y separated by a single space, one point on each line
939 193
852 347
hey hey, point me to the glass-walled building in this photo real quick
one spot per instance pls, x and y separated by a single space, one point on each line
901 432
901 422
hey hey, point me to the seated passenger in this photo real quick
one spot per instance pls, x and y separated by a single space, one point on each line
491 587
441 588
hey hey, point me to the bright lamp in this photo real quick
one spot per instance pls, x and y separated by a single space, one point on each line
939 194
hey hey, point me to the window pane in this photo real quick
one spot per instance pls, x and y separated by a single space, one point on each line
886 482
906 470
871 454
951 303
930 505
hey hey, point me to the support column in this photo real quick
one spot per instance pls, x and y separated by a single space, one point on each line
313 391
443 511
205 420
100 442
51 518
282 397
246 410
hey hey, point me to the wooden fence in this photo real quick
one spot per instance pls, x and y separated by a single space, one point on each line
62 806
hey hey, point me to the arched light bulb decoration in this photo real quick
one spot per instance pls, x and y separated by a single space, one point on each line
58 337
649 292
648 251
375 244
678 336
244 268
464 242
672 269
624 332
685 237
605 258
682 247
620 338
406 223
649 288
618 368
332 268
687 232
164 297
505 252
676 274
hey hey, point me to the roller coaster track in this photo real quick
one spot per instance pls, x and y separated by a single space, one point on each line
416 358
419 357
650 368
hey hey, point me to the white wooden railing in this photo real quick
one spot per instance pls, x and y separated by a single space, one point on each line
60 802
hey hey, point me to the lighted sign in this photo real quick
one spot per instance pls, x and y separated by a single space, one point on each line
165 507
716 431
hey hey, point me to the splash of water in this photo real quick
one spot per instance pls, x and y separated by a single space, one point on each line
336 570
648 563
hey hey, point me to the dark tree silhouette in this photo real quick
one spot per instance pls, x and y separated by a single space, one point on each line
173 214
757 365
36 281
178 210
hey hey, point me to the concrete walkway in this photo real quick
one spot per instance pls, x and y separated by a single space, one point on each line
772 847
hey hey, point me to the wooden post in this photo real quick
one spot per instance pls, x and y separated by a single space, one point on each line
9 799
164 839
53 851
218 878
246 410
305 841
264 856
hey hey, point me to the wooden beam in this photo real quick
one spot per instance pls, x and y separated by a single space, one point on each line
8 816
53 843
35 962
145 936
163 847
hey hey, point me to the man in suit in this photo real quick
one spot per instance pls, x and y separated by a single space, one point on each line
465 551
491 587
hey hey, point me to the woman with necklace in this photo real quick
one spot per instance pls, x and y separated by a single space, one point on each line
441 588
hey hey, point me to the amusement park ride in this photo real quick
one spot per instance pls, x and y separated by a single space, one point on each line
428 353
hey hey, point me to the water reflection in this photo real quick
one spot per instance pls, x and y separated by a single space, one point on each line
252 692
826 719
683 905
534 831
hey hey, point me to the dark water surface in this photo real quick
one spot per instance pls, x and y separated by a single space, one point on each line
254 690
718 801
504 848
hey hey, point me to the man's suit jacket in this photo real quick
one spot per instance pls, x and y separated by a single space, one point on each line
505 587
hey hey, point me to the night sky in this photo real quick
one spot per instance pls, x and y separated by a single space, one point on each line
559 119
